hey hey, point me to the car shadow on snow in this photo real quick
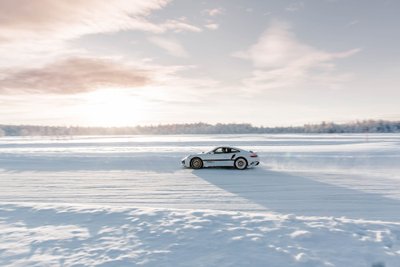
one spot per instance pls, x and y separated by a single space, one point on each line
300 195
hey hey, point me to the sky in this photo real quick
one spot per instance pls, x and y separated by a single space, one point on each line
142 62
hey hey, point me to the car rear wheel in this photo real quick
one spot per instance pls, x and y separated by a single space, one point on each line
196 163
240 163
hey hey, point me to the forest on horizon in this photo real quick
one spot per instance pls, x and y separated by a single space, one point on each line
366 126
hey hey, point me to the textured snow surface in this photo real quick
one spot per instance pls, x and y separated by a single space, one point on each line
315 200
48 235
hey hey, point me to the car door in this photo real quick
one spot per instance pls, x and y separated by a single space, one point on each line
220 156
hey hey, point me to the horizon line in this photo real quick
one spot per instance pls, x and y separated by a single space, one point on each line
211 124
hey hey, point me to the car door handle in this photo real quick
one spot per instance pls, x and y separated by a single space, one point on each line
233 156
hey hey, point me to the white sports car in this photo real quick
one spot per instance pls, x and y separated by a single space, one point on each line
222 157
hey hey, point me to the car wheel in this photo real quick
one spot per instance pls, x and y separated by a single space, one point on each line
241 163
196 163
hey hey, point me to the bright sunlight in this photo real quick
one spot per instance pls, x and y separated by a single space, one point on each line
114 107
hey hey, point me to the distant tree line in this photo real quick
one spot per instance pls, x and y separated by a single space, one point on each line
366 126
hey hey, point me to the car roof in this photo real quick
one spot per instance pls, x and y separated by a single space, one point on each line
227 147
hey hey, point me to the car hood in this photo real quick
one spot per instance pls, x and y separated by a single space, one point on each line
194 155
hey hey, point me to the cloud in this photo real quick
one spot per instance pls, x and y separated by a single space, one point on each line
172 46
68 19
212 26
214 12
29 28
39 31
295 7
72 75
281 60
353 22
179 26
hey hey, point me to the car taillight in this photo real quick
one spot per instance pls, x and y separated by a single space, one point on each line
253 155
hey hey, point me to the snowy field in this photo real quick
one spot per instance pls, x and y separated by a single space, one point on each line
315 200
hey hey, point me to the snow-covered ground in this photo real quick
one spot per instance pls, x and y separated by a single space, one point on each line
315 200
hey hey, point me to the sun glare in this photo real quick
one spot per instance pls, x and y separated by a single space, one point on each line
114 108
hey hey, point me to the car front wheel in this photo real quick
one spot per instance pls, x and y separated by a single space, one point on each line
196 163
240 163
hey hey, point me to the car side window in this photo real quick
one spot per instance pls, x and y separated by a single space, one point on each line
219 150
225 150
230 150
